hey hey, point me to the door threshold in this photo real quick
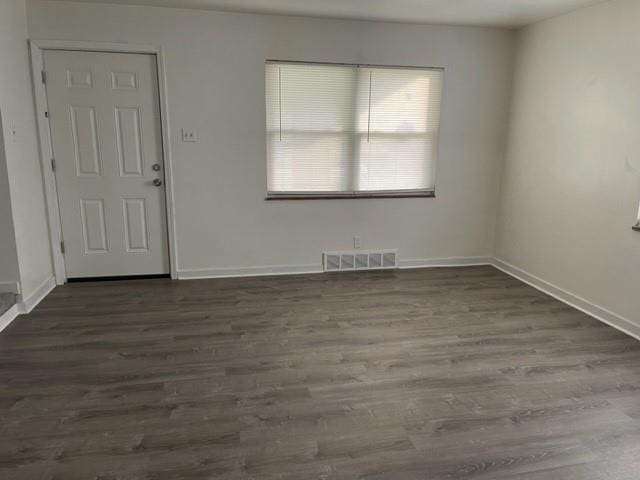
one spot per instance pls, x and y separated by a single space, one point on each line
118 277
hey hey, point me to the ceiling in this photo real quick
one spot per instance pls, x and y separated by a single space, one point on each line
499 13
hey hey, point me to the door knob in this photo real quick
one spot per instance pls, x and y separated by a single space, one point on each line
157 182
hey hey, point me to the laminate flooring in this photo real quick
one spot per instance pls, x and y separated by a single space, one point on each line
449 373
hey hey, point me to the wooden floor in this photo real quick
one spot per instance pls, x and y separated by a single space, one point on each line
432 374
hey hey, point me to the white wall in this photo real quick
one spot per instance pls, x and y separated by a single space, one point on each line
8 254
215 69
21 149
571 183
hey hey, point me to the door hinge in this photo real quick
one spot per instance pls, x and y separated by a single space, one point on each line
44 76
53 164
62 247
46 114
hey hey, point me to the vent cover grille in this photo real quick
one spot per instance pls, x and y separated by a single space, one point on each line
360 260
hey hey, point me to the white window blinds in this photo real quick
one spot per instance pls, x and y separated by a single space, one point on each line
351 130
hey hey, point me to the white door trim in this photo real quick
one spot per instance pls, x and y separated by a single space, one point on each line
37 48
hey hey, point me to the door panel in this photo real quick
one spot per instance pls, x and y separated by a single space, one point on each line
86 150
105 128
129 141
94 227
135 224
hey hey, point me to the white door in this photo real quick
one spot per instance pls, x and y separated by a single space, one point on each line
105 127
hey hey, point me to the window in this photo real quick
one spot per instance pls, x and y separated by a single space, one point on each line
351 130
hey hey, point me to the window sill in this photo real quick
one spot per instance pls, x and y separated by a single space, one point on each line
337 196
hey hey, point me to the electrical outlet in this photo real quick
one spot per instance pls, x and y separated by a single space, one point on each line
189 135
357 242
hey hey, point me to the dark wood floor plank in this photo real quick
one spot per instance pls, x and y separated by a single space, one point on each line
451 373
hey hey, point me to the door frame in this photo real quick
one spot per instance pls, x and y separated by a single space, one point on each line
37 48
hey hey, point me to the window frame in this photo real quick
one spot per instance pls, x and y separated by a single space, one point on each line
306 195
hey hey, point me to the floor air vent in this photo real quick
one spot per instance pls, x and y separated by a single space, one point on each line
360 260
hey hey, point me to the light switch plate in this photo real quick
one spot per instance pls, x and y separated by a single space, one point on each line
189 135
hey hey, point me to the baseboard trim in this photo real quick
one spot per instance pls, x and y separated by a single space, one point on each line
9 316
313 268
11 287
248 271
27 304
596 311
445 262
30 302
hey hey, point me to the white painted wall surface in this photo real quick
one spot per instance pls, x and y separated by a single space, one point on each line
215 70
21 149
8 254
571 182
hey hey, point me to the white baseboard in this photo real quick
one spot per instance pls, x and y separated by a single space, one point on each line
30 301
248 271
445 262
302 269
11 287
599 313
9 316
